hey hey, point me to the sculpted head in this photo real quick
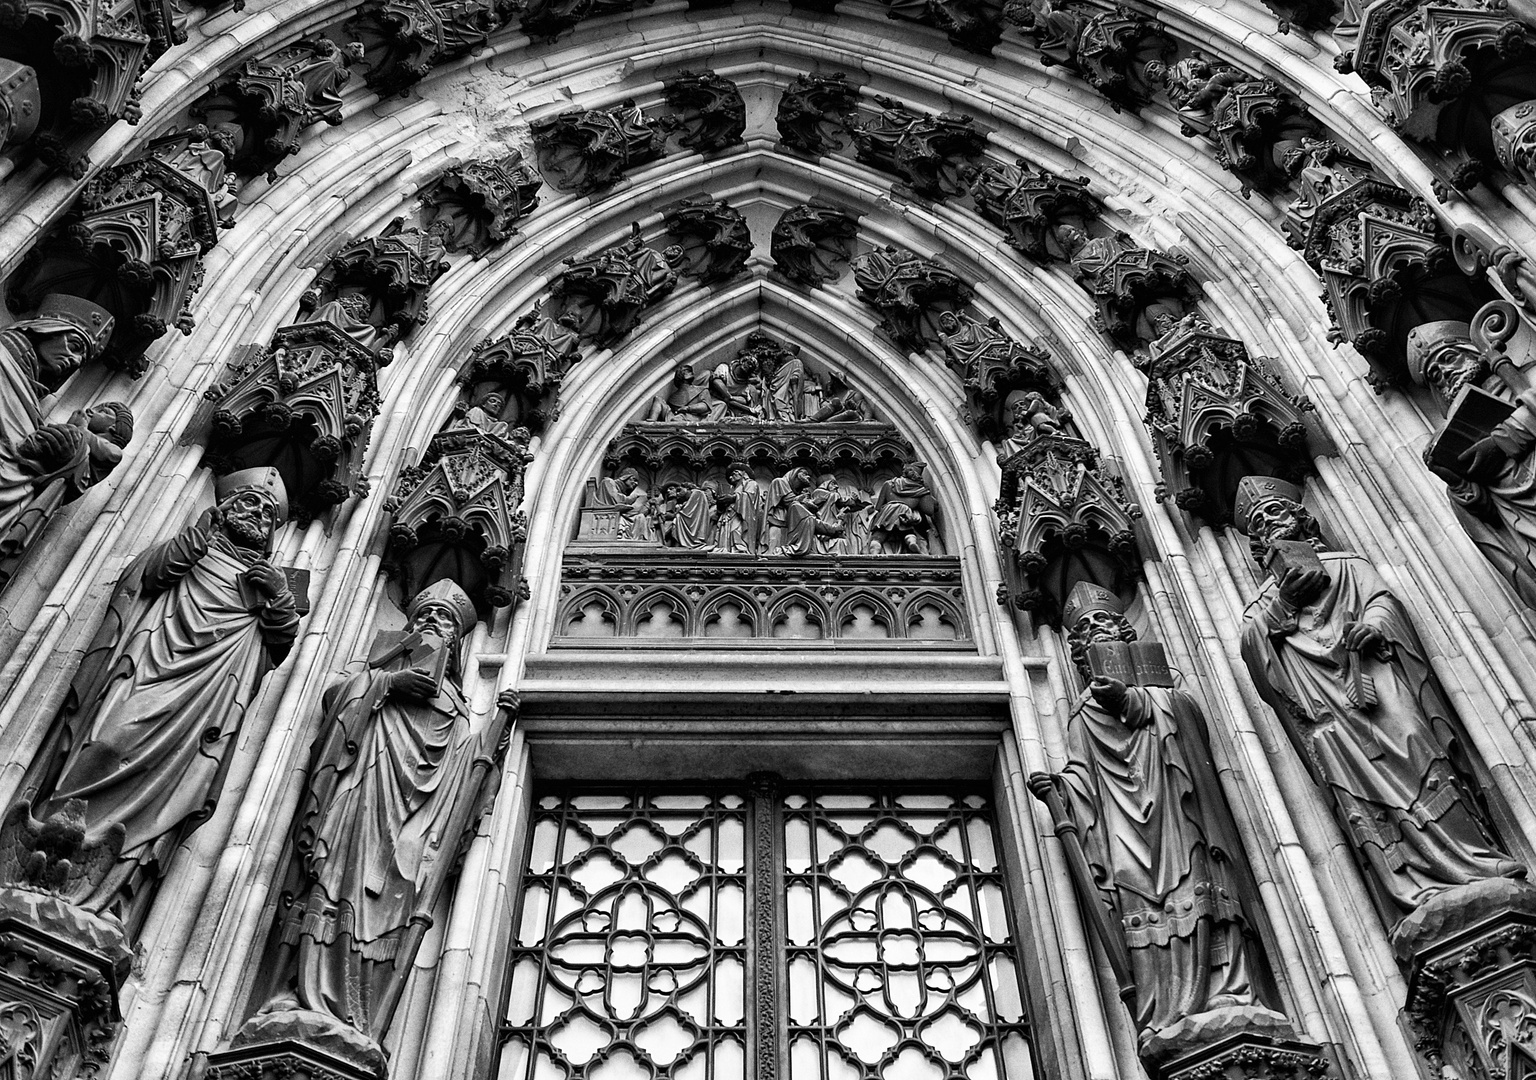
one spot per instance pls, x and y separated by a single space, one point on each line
1441 356
913 470
1269 509
112 420
683 375
254 502
1093 614
441 610
66 333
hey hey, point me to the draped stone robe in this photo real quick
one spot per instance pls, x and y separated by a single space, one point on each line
386 777
1394 770
19 417
1159 837
159 699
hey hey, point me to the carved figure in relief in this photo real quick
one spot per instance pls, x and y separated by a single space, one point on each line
739 527
841 403
399 775
906 515
1031 416
192 628
687 515
795 527
52 466
625 493
1334 654
1498 509
687 399
1140 784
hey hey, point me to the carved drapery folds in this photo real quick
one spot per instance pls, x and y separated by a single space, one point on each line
998 372
1029 204
455 513
590 149
134 242
1062 518
709 114
1259 129
375 288
263 107
1217 415
476 205
602 296
812 243
816 113
305 405
712 238
1384 265
84 60
930 153
404 39
1442 71
1119 53
910 293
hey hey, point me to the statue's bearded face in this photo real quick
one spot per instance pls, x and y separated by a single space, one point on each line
1092 629
1450 365
59 356
1280 519
437 620
249 518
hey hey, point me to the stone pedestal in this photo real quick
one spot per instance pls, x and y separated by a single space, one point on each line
60 971
1470 957
1236 1043
298 1044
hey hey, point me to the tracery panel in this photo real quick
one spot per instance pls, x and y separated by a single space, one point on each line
629 961
900 957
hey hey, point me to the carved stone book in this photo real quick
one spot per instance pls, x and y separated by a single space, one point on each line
1473 416
1287 555
298 584
1135 663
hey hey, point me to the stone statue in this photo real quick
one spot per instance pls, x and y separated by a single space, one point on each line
1498 509
686 400
625 493
1334 654
841 403
398 777
906 515
1141 787
193 627
38 354
1032 416
689 515
739 526
51 466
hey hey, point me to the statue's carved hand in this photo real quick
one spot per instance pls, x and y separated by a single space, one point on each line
1485 456
52 444
1040 784
267 579
1363 638
1299 587
412 685
209 520
510 700
1109 693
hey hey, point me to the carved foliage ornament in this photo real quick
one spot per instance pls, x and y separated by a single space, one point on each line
476 205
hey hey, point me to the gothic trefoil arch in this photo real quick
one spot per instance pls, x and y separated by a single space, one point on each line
908 541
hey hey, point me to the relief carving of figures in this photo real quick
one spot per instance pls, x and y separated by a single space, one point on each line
42 465
591 149
816 113
931 153
155 708
264 107
766 382
710 113
910 293
1029 204
996 369
1333 652
812 243
740 521
1168 877
476 205
1491 479
1137 290
375 289
399 775
1119 53
906 516
632 503
603 295
713 241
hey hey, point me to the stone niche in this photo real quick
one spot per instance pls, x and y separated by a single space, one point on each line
759 499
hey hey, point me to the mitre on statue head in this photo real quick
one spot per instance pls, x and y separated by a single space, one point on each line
447 592
266 480
60 311
1087 597
1254 491
1425 338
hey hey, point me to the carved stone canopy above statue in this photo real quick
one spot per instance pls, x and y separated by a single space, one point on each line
813 242
602 296
305 406
709 114
972 24
816 113
932 154
543 20
1029 205
997 372
475 206
404 39
713 241
590 149
1216 415
1118 52
910 292
522 371
375 289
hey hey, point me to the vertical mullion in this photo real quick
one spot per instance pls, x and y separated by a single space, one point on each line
769 1036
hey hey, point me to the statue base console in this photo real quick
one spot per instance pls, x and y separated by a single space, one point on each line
60 971
1240 1042
298 1044
1470 957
